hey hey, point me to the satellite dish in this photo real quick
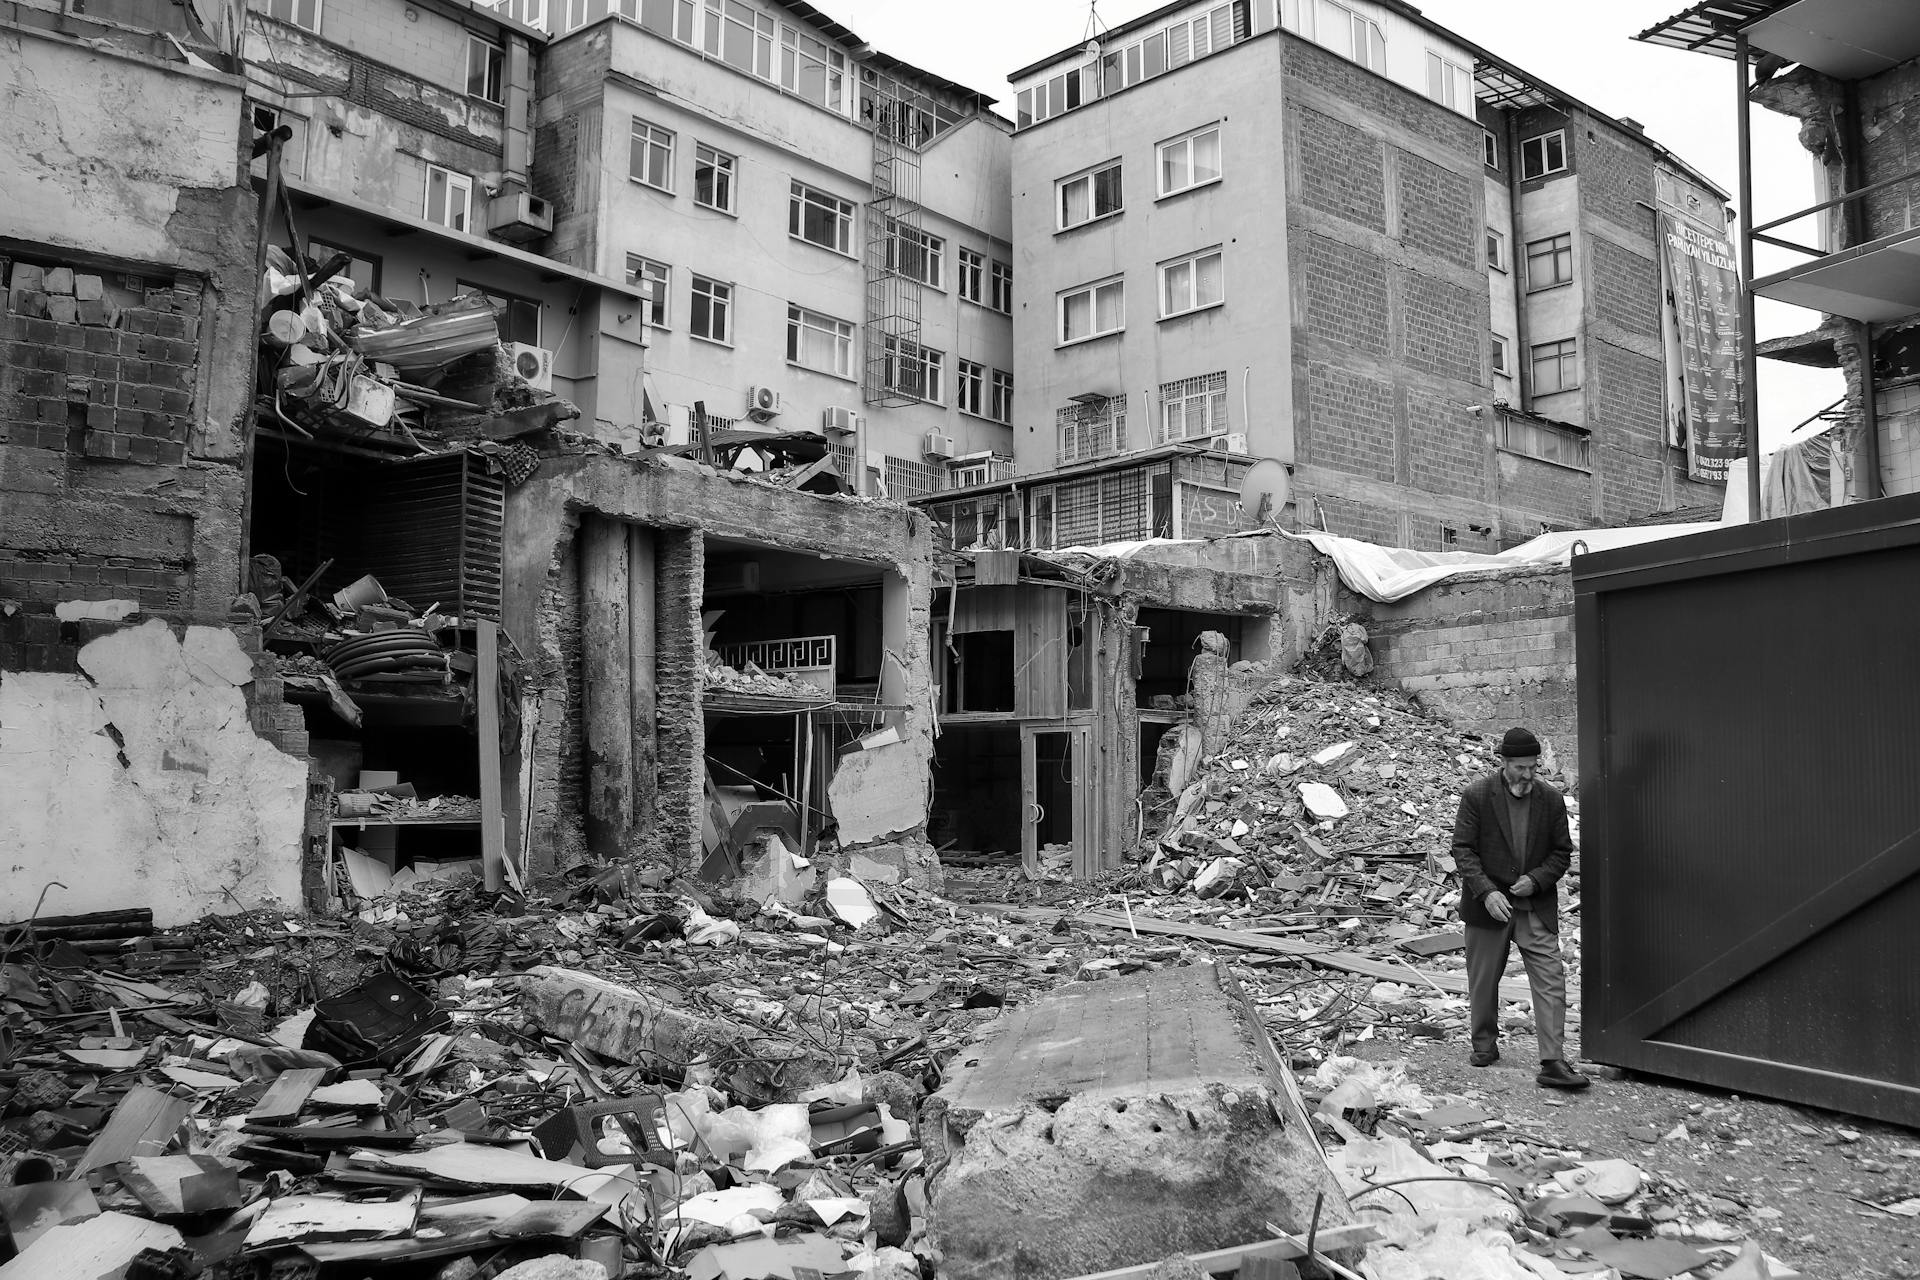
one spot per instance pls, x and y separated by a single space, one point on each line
1263 491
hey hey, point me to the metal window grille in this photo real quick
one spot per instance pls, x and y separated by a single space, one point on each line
1192 408
1542 440
1093 430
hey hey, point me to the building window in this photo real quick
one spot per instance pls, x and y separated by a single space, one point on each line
1191 283
483 69
1351 35
449 198
296 13
1496 249
1189 162
1193 408
740 37
961 475
973 276
1489 149
1544 154
916 254
1092 428
814 70
970 388
711 314
1449 83
1095 194
1092 311
913 370
1000 397
1549 262
673 19
518 318
1500 362
815 341
713 171
656 276
819 218
1550 442
362 268
1555 367
651 160
1000 288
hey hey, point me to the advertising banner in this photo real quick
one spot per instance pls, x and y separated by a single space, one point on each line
1705 412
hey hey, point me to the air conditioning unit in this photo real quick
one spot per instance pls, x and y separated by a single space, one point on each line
1234 442
938 445
838 421
762 403
534 364
519 215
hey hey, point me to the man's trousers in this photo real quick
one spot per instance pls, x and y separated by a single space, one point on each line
1487 949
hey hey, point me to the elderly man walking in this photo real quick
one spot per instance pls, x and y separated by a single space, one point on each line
1511 844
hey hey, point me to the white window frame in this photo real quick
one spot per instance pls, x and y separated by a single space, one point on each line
802 51
289 11
970 276
921 245
1184 147
1498 256
1489 150
493 70
1000 397
1360 40
719 296
642 270
1170 281
725 167
683 18
1092 291
802 323
1502 356
962 475
454 182
1206 393
1560 446
801 197
1556 254
1078 191
1527 172
1297 16
1449 83
970 387
651 141
1000 287
725 26
903 354
1565 355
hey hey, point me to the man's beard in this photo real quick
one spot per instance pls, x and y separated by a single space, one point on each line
1521 788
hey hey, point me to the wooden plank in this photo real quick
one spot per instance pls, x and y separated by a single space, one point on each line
1879 875
142 1125
1246 940
493 823
1227 1261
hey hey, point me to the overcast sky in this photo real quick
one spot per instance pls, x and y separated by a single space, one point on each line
1686 101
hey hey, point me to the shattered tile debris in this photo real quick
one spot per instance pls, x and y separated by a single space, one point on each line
633 1075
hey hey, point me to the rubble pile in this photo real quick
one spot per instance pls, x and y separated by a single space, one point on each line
751 679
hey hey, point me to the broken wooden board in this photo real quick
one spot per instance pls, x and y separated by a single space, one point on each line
444 1229
107 1059
348 1095
101 1246
1246 940
174 1186
142 1125
1332 1240
296 1219
551 1220
470 1164
286 1095
1434 944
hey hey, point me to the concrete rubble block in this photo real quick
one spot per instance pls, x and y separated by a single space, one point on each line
89 288
59 280
1116 1124
62 309
878 792
644 1029
910 863
27 276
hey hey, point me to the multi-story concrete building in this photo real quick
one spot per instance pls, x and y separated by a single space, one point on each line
1337 235
824 227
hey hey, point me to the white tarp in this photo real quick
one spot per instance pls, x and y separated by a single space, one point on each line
1394 573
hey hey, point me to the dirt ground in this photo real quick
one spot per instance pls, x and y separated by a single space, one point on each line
1787 1175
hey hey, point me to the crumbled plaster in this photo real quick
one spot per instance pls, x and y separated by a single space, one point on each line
142 783
878 792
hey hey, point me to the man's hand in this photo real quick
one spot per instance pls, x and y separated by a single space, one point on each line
1499 907
1523 887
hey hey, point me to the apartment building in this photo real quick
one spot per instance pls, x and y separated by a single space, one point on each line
824 228
1336 235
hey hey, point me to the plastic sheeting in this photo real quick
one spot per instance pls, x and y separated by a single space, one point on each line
1394 573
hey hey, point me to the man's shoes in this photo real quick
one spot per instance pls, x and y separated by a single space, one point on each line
1484 1057
1555 1074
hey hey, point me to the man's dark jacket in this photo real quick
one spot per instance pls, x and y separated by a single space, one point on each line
1483 850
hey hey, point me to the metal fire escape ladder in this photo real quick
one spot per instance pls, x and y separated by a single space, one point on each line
891 111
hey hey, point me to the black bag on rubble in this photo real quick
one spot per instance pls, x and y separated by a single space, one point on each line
380 1021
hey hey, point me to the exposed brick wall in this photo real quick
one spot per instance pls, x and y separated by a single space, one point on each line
1631 482
1384 98
680 575
1445 327
1342 170
1351 519
1349 423
1346 290
1623 392
1437 210
1614 176
1446 447
566 677
1626 286
1544 490
1429 533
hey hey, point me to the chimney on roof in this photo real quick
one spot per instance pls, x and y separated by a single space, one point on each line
1633 124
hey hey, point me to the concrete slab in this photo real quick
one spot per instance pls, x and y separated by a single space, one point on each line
1117 1123
878 793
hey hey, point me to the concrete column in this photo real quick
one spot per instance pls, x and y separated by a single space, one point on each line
1207 684
680 727
896 641
606 671
641 613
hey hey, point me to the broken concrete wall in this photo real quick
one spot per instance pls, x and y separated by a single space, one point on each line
139 780
683 503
